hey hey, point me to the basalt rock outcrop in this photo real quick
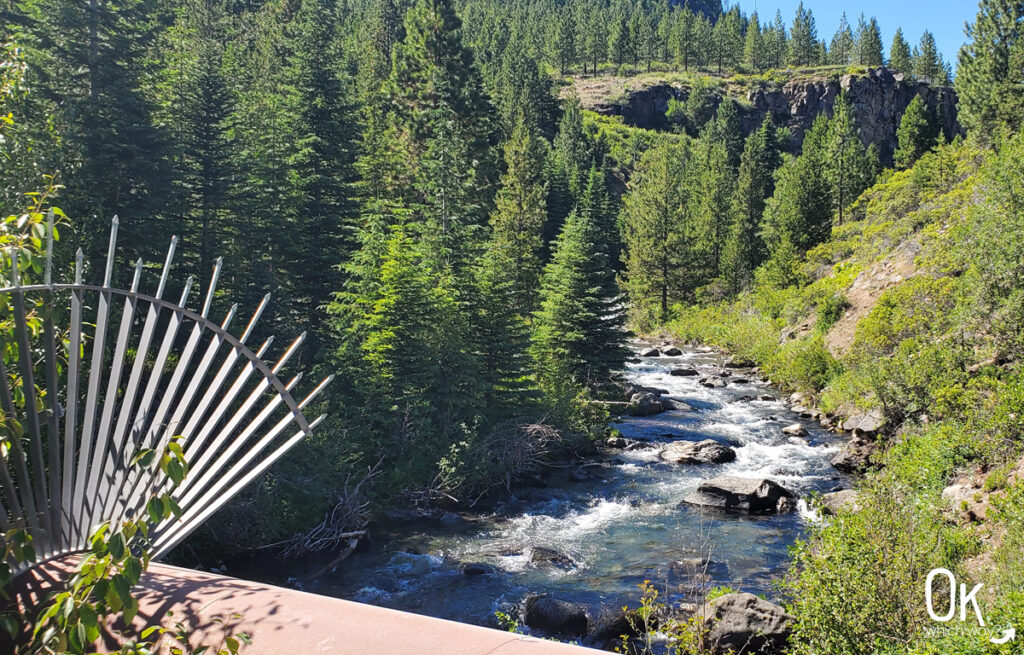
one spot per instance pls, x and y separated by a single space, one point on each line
879 99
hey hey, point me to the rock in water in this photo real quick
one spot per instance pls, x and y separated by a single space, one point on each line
542 555
741 495
702 452
650 352
684 372
671 351
476 568
742 623
714 382
795 430
556 617
673 404
645 404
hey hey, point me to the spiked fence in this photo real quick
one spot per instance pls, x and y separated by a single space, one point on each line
130 371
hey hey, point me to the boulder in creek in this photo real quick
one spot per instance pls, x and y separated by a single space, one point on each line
555 616
633 389
855 456
684 372
740 380
795 430
650 352
708 451
766 397
799 398
713 382
743 624
755 495
542 555
618 442
673 404
476 568
832 502
645 403
671 351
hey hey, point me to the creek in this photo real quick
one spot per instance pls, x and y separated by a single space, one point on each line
618 519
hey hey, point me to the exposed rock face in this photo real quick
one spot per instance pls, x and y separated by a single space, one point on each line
701 452
879 99
742 623
753 495
556 617
855 456
866 423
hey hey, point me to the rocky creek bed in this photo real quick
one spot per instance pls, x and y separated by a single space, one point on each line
720 466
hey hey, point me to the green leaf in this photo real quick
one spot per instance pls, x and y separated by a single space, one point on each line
132 569
122 587
155 509
116 546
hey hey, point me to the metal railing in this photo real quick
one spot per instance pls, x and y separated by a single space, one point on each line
134 372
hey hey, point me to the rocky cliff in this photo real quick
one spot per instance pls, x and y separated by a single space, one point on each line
879 99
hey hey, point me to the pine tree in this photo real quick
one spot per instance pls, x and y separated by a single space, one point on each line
503 356
842 46
90 62
408 359
726 129
803 38
799 214
869 43
988 79
518 220
656 222
570 145
754 46
683 38
595 42
899 54
916 134
778 43
435 84
597 205
199 107
322 167
848 167
927 61
712 206
578 334
744 249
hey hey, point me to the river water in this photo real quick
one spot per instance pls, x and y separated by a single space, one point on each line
621 526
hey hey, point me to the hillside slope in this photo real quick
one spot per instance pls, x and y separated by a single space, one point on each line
911 310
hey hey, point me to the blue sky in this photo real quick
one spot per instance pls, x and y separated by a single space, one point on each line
945 18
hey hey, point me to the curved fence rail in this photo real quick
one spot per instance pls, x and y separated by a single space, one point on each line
103 373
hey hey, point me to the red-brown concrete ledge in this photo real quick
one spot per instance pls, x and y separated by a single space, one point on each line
284 621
